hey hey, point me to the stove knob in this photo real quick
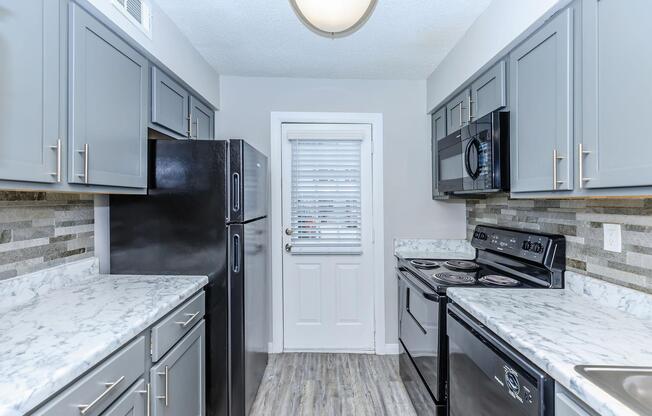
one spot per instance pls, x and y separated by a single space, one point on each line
527 245
537 248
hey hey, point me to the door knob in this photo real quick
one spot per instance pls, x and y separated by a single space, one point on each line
288 231
288 247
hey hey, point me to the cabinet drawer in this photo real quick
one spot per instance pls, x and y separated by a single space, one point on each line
170 330
91 394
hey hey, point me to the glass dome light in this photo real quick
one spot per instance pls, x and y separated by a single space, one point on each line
333 18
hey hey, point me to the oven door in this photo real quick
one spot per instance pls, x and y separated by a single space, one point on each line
488 378
450 163
419 331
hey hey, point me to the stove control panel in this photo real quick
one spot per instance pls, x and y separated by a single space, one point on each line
521 244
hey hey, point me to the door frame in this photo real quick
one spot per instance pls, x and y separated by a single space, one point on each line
276 216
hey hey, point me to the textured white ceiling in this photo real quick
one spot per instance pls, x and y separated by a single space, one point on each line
403 39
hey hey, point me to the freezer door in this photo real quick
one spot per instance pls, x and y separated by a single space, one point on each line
250 311
247 182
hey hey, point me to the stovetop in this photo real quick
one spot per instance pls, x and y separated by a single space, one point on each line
440 274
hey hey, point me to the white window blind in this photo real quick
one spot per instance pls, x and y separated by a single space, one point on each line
326 196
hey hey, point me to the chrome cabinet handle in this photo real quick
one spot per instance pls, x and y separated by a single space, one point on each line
57 148
85 408
470 108
85 151
555 159
582 152
148 395
191 315
189 132
461 110
166 374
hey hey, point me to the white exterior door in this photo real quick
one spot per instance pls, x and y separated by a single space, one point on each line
328 288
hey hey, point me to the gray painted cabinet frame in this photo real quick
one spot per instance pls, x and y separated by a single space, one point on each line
617 94
108 106
31 132
457 111
438 125
170 103
541 105
202 120
488 92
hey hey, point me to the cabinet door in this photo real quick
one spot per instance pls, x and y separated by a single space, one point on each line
438 132
178 380
617 93
541 103
108 101
133 403
457 112
169 103
30 56
202 120
488 91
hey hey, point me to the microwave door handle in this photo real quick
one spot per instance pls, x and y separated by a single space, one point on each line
467 158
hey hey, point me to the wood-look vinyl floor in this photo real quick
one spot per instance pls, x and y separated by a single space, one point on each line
319 384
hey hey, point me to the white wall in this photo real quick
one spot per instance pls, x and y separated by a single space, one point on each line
170 47
409 210
501 23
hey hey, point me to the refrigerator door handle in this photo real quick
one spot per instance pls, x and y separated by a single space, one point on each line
236 191
236 253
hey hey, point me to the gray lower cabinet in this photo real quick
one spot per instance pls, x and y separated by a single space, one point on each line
170 103
202 120
488 92
133 403
617 86
108 106
438 125
178 379
567 405
457 111
30 91
541 105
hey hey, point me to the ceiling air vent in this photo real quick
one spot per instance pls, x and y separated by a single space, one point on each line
139 13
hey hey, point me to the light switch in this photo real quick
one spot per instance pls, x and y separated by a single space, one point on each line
612 238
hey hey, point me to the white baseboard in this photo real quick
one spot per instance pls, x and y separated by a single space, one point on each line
387 349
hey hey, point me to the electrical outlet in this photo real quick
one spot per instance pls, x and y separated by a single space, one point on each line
612 238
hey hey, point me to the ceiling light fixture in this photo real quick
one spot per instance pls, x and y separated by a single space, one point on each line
333 18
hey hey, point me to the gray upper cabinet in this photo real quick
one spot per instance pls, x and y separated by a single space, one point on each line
30 89
178 380
488 93
457 111
170 103
202 120
438 132
541 102
108 106
617 94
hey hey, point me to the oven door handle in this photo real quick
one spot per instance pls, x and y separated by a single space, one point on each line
423 290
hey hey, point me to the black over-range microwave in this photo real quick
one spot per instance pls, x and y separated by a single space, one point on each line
475 159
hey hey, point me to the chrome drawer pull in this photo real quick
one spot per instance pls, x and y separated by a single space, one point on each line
148 394
57 148
85 408
166 374
191 315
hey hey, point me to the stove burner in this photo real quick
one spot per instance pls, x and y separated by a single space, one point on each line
454 278
424 264
461 265
498 280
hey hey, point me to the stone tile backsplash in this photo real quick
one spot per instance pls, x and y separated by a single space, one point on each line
581 222
40 230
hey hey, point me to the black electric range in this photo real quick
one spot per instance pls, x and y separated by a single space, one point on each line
505 258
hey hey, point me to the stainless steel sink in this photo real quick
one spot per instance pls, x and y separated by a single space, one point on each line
631 385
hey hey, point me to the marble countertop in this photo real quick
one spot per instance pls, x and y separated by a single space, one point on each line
559 329
51 339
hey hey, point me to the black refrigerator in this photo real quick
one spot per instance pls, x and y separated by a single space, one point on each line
205 213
